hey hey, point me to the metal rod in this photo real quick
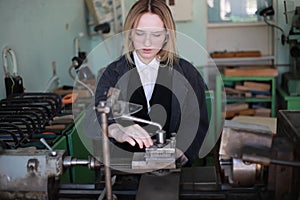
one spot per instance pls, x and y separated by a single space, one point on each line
106 152
53 153
128 117
82 162
293 163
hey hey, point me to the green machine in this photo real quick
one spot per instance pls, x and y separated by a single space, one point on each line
290 85
71 142
291 79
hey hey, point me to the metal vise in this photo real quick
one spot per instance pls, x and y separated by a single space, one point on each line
162 155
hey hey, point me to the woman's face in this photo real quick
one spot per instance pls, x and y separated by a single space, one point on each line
148 37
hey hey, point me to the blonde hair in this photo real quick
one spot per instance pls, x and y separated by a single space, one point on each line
167 54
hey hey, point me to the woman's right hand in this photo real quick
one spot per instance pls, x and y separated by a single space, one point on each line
132 134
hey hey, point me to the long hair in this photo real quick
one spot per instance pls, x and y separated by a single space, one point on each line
167 54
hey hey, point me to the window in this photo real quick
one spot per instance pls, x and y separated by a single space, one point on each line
231 11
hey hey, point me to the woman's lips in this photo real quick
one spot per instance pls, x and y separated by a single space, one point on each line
147 51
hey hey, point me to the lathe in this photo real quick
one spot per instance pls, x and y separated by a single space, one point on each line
249 164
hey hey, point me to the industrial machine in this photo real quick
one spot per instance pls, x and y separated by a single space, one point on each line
291 79
250 163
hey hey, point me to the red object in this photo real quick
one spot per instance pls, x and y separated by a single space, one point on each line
171 2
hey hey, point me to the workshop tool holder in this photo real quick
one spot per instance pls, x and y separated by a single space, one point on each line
26 117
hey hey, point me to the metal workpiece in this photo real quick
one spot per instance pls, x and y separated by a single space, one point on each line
91 163
26 174
94 164
71 161
158 156
160 137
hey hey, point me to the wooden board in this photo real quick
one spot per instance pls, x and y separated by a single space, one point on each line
235 54
251 71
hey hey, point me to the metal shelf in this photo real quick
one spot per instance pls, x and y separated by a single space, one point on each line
272 99
242 60
249 100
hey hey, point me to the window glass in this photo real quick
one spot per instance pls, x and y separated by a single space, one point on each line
227 11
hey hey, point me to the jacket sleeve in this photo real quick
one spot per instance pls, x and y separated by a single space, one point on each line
107 78
199 87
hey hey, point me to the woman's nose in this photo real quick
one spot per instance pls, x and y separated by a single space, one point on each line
147 41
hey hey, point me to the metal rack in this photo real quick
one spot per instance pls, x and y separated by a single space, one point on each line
27 117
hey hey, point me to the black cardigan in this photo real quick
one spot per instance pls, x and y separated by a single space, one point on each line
189 117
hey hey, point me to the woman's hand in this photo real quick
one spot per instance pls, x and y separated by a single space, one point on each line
132 134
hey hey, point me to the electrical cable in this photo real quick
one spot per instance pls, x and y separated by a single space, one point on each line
273 25
79 81
13 84
283 37
50 82
53 79
86 86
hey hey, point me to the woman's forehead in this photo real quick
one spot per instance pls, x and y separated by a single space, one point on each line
149 20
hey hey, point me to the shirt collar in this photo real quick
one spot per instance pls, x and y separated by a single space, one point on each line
154 64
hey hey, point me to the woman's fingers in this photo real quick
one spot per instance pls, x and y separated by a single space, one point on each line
132 134
128 139
139 135
144 135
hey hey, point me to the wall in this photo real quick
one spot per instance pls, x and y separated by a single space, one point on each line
191 34
41 31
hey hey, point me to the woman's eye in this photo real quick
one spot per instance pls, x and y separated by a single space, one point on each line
156 34
139 33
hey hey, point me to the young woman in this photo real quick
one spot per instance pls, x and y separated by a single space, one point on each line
150 73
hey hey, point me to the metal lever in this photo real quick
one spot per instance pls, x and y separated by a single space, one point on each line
53 153
128 117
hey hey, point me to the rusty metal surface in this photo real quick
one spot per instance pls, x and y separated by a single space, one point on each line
25 174
234 139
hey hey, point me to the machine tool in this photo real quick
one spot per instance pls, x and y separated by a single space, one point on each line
250 164
291 79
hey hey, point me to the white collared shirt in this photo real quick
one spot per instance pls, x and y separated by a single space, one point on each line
148 74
